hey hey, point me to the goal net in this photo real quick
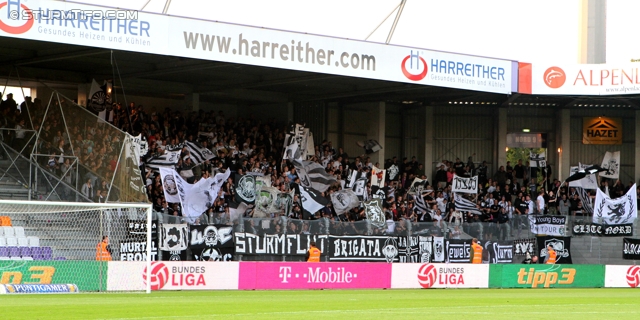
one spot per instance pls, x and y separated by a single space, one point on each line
55 243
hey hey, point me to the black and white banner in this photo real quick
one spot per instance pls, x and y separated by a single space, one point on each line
412 249
277 244
392 172
594 229
523 246
312 200
245 188
344 200
561 245
211 242
464 205
168 160
174 237
134 247
438 249
616 211
499 251
417 186
537 160
611 162
631 249
464 185
374 213
458 251
548 225
169 185
427 248
588 182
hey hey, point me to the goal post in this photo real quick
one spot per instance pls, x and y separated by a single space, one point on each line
47 242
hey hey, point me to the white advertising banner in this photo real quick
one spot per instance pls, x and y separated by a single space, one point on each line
72 23
617 276
585 79
439 275
173 275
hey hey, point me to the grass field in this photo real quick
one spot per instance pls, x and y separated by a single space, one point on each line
332 304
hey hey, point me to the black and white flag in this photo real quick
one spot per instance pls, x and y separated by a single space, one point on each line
588 182
237 210
499 251
313 175
464 185
174 237
265 201
417 186
464 205
420 203
168 160
631 249
202 195
141 145
245 186
370 146
548 225
392 172
312 200
375 215
426 249
561 245
291 148
523 246
616 211
344 200
439 254
378 176
587 207
611 162
169 185
358 182
537 160
197 152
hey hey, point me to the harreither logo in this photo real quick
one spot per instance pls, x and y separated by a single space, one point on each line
554 77
13 9
417 65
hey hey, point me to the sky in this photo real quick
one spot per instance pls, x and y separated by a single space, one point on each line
527 31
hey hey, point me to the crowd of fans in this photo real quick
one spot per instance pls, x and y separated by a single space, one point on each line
248 144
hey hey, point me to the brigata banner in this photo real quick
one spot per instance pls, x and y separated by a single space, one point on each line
84 274
631 249
595 229
548 225
277 244
380 248
102 27
172 275
546 276
439 275
617 276
303 275
579 79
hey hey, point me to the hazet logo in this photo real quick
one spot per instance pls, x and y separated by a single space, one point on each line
13 10
416 62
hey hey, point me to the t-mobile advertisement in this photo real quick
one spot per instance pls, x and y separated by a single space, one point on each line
302 275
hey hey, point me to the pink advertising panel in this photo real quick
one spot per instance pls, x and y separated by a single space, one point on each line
324 275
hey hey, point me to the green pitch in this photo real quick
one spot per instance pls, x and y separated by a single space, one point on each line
332 304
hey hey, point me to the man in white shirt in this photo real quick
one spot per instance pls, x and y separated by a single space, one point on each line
530 204
540 203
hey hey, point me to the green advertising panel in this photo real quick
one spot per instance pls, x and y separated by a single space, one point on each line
87 275
546 276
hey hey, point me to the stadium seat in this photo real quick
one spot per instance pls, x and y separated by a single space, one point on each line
19 232
33 241
25 252
23 242
15 258
60 258
8 231
27 258
14 251
4 252
36 253
3 242
12 242
47 253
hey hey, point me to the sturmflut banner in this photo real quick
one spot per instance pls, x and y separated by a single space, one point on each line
277 244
